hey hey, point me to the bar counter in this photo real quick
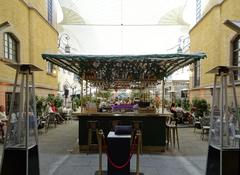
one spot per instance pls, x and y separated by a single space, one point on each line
153 127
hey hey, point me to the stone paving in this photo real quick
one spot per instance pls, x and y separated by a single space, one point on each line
58 157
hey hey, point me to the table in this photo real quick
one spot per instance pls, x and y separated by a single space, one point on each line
153 127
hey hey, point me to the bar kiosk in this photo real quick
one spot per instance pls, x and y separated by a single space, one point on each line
224 137
20 155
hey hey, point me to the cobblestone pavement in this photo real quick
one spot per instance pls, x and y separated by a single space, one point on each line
57 156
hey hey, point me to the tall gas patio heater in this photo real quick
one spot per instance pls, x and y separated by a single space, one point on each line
20 155
224 139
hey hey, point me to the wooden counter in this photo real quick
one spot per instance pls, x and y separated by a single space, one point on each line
153 127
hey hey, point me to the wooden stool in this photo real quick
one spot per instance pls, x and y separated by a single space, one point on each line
137 126
172 130
92 128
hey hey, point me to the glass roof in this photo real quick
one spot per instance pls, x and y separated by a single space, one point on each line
126 26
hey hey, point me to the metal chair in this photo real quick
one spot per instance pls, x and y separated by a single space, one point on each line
50 119
205 126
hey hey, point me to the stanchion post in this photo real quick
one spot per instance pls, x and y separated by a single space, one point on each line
100 136
138 152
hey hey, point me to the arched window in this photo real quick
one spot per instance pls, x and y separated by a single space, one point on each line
10 47
236 56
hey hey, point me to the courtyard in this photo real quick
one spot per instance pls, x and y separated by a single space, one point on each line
59 154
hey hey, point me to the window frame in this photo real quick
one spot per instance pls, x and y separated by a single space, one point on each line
235 60
10 47
50 11
50 68
196 73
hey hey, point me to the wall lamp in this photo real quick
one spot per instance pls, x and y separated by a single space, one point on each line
66 37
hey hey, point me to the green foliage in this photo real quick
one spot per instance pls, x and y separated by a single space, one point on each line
76 103
104 94
186 104
41 103
58 101
96 101
178 102
135 94
201 106
85 99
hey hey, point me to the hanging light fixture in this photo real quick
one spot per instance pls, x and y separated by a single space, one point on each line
67 48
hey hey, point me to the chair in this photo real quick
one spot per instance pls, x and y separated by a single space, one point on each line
172 130
205 126
50 119
137 126
93 127
40 124
196 123
179 116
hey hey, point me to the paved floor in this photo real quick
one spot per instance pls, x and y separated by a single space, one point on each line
57 155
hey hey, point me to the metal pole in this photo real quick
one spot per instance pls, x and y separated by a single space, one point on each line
100 136
90 92
235 97
27 117
221 121
34 108
213 104
86 87
226 114
21 107
13 95
138 152
163 96
82 96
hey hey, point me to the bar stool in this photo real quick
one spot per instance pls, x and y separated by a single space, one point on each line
137 126
92 128
171 131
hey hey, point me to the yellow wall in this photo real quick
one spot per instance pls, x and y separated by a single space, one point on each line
35 36
211 36
40 5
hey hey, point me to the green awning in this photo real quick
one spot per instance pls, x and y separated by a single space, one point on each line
112 69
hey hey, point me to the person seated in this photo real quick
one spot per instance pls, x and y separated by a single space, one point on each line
3 120
52 109
179 108
180 113
173 110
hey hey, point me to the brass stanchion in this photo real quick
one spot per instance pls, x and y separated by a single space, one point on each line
100 136
138 151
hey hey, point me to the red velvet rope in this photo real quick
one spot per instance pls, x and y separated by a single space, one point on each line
129 158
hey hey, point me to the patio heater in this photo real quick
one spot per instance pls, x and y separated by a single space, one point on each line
20 154
224 137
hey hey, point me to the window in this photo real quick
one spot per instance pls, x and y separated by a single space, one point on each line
236 56
10 47
50 11
49 67
196 79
